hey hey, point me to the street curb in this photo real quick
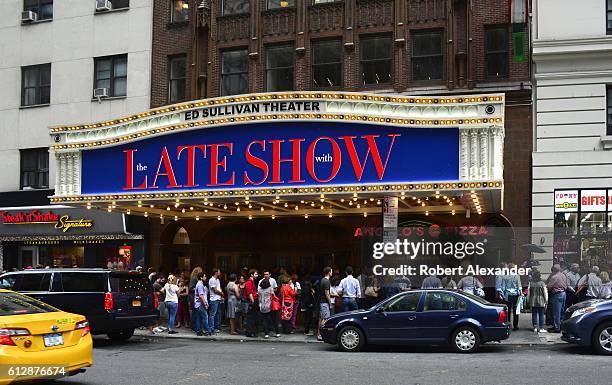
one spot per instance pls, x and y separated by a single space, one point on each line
274 340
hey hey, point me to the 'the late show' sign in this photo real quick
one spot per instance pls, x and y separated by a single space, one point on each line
289 154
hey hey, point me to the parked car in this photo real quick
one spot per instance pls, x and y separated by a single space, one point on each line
37 335
589 323
114 302
438 317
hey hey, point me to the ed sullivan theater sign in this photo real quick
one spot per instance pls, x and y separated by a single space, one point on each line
291 140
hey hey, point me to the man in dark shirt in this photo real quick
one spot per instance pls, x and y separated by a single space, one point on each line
325 302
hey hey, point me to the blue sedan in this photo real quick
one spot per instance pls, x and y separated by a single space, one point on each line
589 323
421 317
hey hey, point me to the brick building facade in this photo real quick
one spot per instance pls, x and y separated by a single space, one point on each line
462 27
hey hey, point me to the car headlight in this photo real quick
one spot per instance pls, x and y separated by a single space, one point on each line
582 311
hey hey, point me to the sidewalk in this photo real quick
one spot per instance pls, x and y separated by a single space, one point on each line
523 336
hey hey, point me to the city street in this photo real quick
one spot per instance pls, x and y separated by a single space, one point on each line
167 361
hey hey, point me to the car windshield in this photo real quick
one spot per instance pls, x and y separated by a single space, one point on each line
15 304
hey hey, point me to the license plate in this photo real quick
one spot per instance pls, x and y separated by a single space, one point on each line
136 303
54 339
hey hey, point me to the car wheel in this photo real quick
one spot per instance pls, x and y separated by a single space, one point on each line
121 335
351 339
465 340
602 339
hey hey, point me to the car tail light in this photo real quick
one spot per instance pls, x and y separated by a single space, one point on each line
108 301
7 334
156 300
502 316
84 326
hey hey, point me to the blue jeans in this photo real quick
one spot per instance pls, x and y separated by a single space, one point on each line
558 302
201 321
214 320
349 304
535 313
172 308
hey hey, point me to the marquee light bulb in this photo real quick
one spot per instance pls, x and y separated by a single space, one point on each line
286 204
312 204
238 209
205 210
330 215
296 207
365 214
423 204
219 218
273 216
183 211
261 209
168 208
350 203
342 200
190 208
426 213
146 214
197 218
250 206
378 202
305 216
225 207
322 207
250 217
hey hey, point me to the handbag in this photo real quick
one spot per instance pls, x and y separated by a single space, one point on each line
275 304
370 292
477 289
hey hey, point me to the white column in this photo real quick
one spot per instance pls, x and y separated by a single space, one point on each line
473 154
57 173
498 153
76 173
484 155
69 168
464 154
62 172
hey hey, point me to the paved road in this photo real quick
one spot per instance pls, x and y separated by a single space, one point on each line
160 362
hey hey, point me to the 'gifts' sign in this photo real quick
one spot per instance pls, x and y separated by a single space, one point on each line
593 200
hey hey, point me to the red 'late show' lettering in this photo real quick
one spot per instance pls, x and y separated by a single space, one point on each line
295 160
358 166
129 172
215 163
336 159
191 152
256 162
165 159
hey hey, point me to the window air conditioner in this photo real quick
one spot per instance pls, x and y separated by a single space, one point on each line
100 93
28 16
103 5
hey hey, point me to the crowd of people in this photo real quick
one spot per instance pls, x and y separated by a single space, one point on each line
269 303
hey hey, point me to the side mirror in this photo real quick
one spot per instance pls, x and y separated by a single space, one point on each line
380 309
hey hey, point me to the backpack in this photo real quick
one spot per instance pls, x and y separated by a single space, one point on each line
265 302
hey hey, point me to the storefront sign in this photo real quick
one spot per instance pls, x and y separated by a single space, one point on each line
390 208
289 154
593 200
61 222
566 201
609 200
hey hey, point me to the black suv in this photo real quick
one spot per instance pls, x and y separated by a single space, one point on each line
114 302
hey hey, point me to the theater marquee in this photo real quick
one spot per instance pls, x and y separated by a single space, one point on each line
289 144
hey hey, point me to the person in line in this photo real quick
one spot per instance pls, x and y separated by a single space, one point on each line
307 304
288 294
214 285
499 293
372 291
193 281
233 297
250 291
606 286
171 290
469 284
591 283
538 298
202 327
448 282
362 299
182 317
557 286
274 286
573 276
158 287
512 291
264 295
242 303
296 303
431 282
350 290
325 302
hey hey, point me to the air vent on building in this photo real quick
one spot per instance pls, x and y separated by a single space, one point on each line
28 16
103 5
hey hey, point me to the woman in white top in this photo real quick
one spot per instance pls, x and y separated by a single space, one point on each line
171 290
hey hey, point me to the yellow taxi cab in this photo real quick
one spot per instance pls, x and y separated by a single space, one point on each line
38 341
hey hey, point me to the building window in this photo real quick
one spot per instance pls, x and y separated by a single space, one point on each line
279 68
277 4
35 168
42 8
36 85
496 51
427 56
376 60
111 73
234 72
176 78
118 4
327 63
235 7
609 18
609 106
179 12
